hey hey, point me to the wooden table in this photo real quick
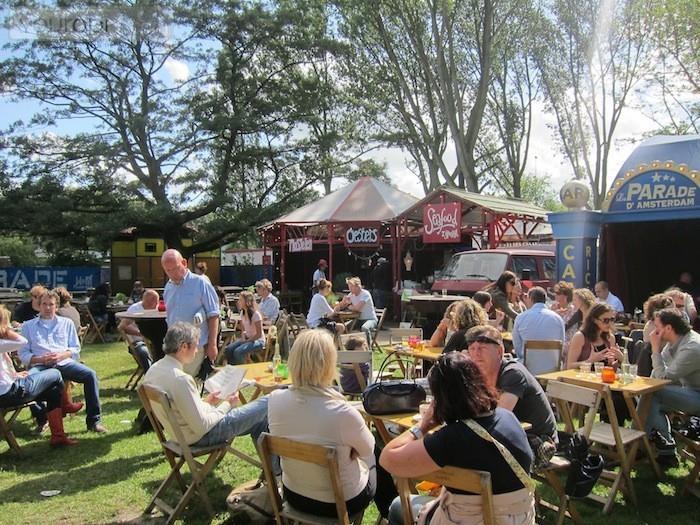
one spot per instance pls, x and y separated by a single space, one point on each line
402 420
642 387
263 380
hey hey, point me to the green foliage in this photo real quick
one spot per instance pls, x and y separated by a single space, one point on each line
20 250
539 191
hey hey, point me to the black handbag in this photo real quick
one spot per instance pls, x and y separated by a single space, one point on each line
395 396
585 468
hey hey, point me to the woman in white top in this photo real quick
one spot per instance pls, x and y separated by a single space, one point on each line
252 336
320 309
312 411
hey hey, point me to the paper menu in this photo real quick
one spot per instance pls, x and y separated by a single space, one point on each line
226 381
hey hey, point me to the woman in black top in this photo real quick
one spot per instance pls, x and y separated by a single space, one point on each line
467 314
460 394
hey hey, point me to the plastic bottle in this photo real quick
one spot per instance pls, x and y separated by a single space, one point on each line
625 367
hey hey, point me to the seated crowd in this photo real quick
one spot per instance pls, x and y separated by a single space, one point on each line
482 394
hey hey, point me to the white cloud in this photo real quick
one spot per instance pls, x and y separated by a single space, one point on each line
178 70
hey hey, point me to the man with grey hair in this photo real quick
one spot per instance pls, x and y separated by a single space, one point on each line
538 323
207 421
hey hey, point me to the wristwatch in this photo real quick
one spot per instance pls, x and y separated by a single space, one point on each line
416 432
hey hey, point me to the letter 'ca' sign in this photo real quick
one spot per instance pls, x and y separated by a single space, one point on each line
362 236
442 222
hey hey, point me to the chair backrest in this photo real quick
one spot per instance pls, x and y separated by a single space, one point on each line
564 394
396 334
83 332
541 357
321 455
474 481
352 360
159 409
380 313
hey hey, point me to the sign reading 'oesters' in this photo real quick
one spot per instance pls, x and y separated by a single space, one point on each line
655 190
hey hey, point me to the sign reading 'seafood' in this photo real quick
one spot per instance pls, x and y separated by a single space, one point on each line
657 186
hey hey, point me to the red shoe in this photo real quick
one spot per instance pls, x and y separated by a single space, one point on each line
62 441
67 407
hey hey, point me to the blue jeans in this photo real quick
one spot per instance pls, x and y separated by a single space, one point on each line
250 418
46 386
395 516
78 372
669 398
367 327
236 351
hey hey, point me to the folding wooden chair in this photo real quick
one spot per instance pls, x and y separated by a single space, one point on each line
321 455
83 332
138 372
474 481
95 329
617 443
7 417
567 396
374 333
541 356
158 408
691 452
351 360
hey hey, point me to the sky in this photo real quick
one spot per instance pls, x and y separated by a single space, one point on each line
545 158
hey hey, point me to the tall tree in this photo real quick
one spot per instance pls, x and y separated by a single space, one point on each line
209 152
594 57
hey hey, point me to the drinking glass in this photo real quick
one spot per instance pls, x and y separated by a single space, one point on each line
598 367
584 369
633 372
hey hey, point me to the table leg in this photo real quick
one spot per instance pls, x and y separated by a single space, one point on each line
639 415
381 429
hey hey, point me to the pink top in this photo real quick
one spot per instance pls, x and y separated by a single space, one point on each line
249 326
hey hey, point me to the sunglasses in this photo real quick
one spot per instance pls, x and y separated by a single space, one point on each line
484 340
606 320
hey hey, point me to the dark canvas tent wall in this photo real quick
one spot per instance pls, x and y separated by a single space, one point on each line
651 219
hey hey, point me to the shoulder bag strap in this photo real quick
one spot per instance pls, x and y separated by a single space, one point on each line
507 455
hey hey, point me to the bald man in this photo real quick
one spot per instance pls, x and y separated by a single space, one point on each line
192 299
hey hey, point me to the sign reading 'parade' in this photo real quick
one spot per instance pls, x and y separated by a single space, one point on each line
655 190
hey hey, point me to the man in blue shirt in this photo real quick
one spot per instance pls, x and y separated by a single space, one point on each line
52 342
538 323
191 298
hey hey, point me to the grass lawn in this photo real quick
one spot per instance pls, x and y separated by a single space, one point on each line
109 478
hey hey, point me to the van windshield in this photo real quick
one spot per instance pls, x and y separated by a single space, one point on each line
475 265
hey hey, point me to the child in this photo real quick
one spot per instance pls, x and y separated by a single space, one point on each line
349 383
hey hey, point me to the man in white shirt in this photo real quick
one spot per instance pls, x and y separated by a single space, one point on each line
204 422
360 300
149 301
269 304
538 323
604 295
319 274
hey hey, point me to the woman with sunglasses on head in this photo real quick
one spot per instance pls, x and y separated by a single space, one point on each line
595 340
467 423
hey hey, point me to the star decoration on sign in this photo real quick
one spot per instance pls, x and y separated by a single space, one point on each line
655 177
666 177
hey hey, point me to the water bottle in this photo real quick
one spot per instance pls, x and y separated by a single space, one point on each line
276 362
625 368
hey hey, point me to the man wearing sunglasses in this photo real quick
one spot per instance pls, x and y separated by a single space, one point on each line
521 393
675 355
